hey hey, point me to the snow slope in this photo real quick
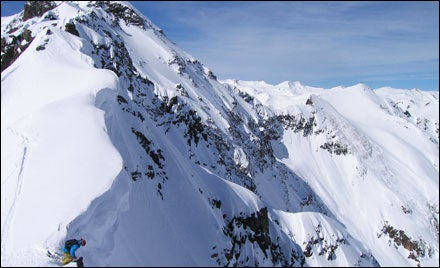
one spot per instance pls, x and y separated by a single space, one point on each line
112 133
364 146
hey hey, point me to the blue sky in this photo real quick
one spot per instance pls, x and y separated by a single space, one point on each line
321 44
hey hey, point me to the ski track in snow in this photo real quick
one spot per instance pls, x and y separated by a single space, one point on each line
18 187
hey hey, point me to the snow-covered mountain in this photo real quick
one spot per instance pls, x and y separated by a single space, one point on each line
111 132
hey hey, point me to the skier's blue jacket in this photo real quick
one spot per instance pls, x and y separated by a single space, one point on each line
73 248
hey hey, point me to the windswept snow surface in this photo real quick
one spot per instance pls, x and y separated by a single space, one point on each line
390 173
56 154
62 175
114 134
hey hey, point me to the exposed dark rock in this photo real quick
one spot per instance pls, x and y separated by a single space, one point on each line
179 62
37 8
416 249
195 127
27 35
406 210
121 12
70 28
211 75
181 90
326 247
135 175
12 50
434 218
121 99
246 97
336 148
216 203
298 123
156 156
40 47
244 229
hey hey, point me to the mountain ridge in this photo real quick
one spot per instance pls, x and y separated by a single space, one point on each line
165 165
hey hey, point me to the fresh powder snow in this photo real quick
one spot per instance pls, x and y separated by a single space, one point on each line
112 133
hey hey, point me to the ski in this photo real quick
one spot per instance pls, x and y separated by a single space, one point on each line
58 257
55 256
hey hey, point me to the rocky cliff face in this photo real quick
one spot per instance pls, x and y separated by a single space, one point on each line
266 186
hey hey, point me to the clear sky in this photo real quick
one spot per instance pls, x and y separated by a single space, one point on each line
322 44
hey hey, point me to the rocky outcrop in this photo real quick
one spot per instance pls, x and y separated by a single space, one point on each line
37 8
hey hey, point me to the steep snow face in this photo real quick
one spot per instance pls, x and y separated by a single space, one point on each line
53 142
112 133
373 163
418 107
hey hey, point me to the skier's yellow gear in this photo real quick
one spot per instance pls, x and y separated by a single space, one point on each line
67 258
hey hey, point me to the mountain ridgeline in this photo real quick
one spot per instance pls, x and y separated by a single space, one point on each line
182 169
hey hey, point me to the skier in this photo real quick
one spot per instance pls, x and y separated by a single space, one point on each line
69 249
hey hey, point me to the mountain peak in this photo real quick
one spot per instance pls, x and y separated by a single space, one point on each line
121 10
293 85
112 133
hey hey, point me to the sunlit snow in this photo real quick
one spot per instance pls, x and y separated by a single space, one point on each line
93 149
